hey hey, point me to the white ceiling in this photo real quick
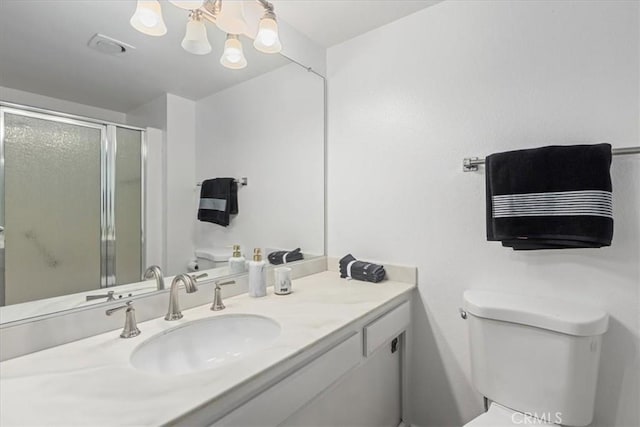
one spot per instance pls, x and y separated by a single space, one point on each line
330 22
43 47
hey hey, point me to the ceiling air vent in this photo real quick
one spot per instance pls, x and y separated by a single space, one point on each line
109 46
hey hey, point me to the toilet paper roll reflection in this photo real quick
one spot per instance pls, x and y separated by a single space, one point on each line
193 266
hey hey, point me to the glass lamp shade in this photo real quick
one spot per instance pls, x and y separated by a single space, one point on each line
195 39
267 39
148 18
187 4
253 11
231 18
233 57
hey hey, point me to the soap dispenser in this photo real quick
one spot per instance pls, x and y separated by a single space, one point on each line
237 263
257 275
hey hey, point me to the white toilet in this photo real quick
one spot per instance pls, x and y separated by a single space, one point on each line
535 359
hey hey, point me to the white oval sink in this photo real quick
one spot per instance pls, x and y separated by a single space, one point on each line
204 344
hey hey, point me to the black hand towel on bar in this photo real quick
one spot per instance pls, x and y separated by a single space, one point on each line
552 197
218 200
283 257
361 270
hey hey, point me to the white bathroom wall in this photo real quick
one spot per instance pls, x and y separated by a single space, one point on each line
46 102
170 180
153 116
180 182
301 48
410 100
154 206
271 130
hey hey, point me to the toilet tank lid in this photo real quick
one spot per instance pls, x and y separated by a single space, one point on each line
217 255
546 313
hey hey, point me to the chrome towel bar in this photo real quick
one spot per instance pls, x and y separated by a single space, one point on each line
242 181
470 164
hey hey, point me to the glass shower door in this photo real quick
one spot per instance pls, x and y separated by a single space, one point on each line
53 196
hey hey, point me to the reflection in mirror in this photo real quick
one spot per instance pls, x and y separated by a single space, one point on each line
56 172
115 160
52 206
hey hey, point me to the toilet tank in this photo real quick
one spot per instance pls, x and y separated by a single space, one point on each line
535 355
208 258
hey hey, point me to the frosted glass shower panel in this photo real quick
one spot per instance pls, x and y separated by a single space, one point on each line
52 207
128 206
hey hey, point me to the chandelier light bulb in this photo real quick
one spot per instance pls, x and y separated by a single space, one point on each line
231 17
148 18
187 4
195 39
233 56
267 40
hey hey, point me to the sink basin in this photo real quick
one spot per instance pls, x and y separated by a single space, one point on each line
204 344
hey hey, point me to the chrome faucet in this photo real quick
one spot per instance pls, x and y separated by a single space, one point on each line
155 272
130 326
174 313
217 296
108 296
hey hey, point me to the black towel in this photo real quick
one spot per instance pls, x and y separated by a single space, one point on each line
553 197
361 270
218 200
283 257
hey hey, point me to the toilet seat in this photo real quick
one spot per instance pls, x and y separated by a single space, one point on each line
499 416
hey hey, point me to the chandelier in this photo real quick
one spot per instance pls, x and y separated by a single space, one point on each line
227 15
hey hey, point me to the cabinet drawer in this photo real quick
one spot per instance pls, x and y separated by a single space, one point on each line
386 327
283 399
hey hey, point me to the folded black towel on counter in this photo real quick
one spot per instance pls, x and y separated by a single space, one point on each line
218 200
554 197
283 257
361 270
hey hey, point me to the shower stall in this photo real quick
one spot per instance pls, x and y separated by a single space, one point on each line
71 204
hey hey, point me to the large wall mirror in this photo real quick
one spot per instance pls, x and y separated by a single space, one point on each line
121 150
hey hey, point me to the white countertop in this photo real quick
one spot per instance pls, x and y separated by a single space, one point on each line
91 382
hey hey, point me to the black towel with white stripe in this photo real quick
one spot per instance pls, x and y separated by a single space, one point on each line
554 197
218 200
351 268
283 257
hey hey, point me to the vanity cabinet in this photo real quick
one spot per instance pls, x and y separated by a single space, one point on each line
369 395
358 381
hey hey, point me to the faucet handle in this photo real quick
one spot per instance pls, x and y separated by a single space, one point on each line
228 282
217 296
199 276
130 329
109 296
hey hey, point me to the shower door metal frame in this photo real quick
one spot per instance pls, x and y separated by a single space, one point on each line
108 210
108 149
